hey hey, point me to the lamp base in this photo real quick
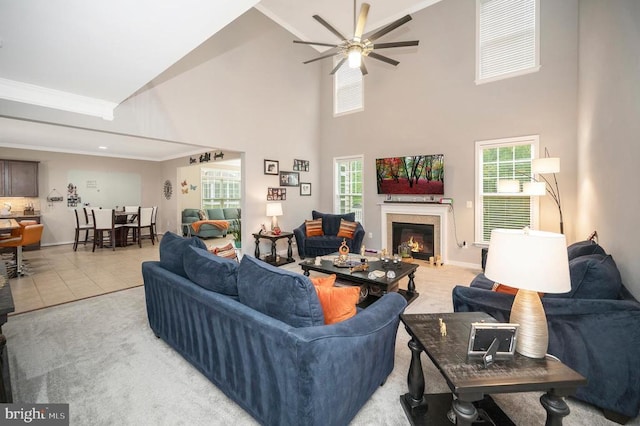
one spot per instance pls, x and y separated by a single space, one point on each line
533 335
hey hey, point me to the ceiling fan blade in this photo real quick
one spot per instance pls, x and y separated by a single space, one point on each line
379 57
396 44
329 27
328 55
363 69
392 26
362 20
337 67
315 43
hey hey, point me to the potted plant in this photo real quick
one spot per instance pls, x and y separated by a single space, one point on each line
235 229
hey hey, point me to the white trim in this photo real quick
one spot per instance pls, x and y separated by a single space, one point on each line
42 96
440 210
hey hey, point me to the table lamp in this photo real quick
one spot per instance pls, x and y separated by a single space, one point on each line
274 210
532 262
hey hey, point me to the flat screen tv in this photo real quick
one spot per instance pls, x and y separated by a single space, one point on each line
418 174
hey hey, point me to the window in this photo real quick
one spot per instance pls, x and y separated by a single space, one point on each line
348 192
348 90
220 188
507 38
508 159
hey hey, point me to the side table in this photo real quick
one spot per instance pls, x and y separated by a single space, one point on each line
273 258
470 382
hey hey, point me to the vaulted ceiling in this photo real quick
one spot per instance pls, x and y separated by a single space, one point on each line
87 57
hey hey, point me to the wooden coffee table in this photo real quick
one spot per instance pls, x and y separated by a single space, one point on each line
470 381
374 288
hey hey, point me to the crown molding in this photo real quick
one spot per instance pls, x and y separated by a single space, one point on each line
42 96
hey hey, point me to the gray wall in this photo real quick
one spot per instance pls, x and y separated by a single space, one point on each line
608 129
430 104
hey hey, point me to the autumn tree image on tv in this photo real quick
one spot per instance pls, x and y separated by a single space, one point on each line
421 174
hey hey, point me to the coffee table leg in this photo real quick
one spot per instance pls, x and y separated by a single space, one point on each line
556 408
411 287
466 413
415 400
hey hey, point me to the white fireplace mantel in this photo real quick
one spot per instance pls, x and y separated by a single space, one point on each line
417 209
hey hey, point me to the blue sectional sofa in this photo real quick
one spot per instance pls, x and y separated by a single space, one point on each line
230 215
329 242
594 328
257 332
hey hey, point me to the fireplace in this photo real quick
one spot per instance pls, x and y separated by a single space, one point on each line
418 236
416 214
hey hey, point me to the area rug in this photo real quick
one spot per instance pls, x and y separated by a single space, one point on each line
100 356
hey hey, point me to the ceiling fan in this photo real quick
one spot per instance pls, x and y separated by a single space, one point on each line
356 48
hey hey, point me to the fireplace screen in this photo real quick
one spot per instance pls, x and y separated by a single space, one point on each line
419 238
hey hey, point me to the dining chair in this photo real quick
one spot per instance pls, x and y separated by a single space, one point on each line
81 225
104 222
27 234
131 209
143 221
154 216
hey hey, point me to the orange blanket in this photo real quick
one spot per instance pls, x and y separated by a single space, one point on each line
220 224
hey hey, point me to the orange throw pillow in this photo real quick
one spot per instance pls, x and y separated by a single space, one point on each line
314 227
347 229
501 288
338 303
327 281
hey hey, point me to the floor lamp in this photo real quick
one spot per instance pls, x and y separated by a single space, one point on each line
532 262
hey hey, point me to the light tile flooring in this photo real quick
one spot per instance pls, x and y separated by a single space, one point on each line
57 274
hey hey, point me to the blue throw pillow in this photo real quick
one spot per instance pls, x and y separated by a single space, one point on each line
172 246
331 222
283 295
212 272
582 248
593 276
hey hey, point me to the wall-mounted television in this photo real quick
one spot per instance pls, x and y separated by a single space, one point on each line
417 174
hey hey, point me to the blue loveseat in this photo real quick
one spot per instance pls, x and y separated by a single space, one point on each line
329 242
594 328
257 332
208 230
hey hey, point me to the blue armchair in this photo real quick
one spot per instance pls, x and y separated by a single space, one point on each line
329 242
594 328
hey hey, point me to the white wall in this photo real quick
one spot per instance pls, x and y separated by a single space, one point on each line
429 104
608 129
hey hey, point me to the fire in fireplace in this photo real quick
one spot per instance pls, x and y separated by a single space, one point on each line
418 236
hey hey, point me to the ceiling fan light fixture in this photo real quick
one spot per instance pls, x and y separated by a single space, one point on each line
355 57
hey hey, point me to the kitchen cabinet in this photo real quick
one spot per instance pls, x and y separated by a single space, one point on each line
18 178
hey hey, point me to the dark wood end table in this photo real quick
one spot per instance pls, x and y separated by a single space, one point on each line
273 258
470 381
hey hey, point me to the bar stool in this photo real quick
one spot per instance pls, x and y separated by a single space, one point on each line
28 234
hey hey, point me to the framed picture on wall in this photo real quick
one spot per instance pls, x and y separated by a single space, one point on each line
301 165
271 167
289 178
276 194
305 188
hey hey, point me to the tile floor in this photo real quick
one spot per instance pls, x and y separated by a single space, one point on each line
57 274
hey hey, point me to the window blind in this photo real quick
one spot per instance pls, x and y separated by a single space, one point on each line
348 87
507 38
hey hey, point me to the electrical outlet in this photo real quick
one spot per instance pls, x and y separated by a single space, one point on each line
370 234
469 204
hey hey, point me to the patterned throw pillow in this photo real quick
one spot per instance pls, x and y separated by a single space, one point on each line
227 251
347 229
202 215
314 228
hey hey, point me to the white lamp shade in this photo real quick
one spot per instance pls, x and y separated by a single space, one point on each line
530 260
274 209
508 186
545 165
534 188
